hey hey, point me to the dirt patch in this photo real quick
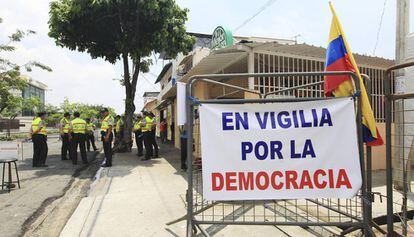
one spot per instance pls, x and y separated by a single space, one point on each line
51 217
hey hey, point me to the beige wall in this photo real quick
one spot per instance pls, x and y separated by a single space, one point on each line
378 152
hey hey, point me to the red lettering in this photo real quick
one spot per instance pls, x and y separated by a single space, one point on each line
231 181
246 181
220 185
343 180
316 180
291 177
306 180
331 178
273 180
266 180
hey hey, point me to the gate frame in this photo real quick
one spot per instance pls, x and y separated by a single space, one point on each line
389 99
366 222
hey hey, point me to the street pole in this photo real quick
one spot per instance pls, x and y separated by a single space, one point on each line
399 154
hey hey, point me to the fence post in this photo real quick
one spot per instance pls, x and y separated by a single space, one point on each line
390 212
189 132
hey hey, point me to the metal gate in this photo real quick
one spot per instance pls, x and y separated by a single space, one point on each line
399 109
347 215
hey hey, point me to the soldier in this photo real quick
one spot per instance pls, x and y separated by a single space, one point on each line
107 136
139 135
90 138
146 127
153 132
78 138
64 134
39 137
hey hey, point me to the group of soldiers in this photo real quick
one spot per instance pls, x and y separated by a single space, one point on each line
74 133
144 129
78 132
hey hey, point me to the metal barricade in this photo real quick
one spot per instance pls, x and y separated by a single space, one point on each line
314 215
399 109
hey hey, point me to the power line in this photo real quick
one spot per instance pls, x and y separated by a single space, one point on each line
152 84
379 27
266 5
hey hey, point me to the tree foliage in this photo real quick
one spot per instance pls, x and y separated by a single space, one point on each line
87 111
126 30
11 81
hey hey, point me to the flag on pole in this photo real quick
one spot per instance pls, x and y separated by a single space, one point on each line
339 58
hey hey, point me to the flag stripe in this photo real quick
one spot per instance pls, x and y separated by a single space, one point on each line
336 50
333 82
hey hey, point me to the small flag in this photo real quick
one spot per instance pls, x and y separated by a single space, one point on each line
339 58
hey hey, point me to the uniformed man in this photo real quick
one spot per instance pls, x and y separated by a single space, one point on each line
107 136
78 138
39 137
117 129
90 138
146 127
153 131
64 134
139 135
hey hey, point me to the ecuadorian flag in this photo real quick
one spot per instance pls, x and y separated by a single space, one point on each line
339 58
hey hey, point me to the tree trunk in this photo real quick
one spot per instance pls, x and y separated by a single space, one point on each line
130 89
128 120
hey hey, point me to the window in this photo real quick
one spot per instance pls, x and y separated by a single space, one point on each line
32 91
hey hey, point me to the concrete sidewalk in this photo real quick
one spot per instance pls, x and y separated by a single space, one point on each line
132 198
137 198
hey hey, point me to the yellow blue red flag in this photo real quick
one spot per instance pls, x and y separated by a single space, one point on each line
339 58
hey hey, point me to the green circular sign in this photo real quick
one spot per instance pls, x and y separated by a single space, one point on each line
221 38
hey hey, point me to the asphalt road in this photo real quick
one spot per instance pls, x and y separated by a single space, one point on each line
39 187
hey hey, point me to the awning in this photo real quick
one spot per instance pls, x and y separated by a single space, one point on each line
215 63
163 104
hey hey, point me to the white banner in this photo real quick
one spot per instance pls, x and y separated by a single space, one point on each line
181 97
9 150
280 150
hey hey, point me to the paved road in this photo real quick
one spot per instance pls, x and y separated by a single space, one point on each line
39 187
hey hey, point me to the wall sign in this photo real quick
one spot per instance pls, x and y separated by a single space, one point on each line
221 38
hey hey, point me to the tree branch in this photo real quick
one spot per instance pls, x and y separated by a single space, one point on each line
127 81
135 76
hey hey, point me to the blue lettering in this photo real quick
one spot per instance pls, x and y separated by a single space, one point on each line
293 153
308 149
326 118
286 123
315 118
263 122
242 120
275 147
257 150
295 118
303 121
272 119
246 147
225 120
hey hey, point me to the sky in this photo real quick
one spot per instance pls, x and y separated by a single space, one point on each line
81 79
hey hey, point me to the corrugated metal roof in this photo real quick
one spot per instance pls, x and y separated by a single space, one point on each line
318 53
222 58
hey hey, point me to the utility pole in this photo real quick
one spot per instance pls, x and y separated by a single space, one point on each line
403 144
403 27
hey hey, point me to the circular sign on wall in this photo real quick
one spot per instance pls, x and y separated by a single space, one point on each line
221 38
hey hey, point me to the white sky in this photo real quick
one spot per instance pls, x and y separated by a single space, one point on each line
81 79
